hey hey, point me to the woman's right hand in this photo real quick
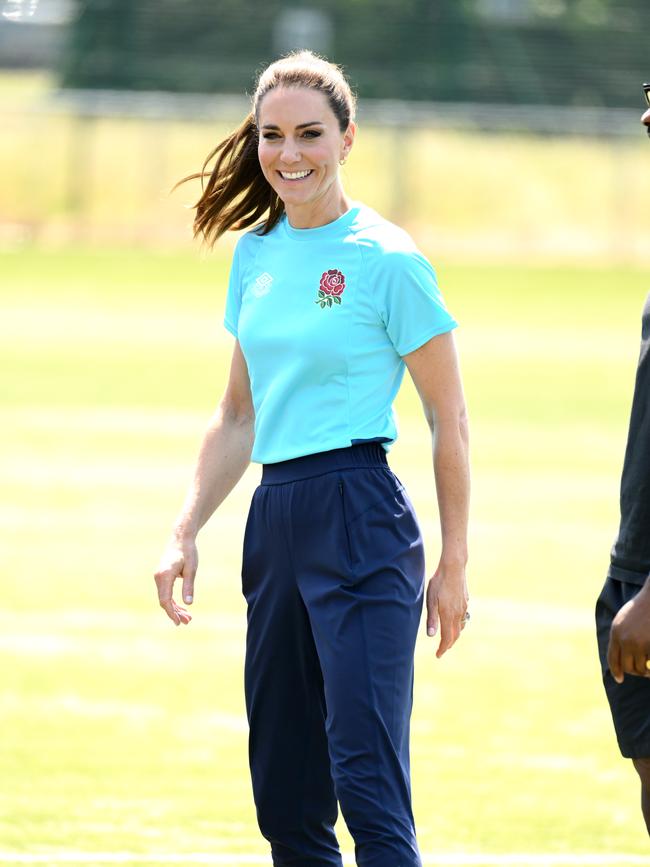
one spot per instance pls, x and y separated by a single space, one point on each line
179 560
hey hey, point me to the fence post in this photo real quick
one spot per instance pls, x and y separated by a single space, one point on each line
79 171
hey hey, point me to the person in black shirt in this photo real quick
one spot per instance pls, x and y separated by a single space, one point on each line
623 608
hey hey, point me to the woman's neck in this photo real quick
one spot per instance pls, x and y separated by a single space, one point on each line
314 214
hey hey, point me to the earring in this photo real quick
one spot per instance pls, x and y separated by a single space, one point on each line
342 161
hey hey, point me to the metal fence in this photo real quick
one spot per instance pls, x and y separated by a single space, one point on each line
497 181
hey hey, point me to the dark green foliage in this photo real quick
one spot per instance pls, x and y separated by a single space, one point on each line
582 52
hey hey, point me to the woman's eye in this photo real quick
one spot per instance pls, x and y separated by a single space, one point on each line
270 135
312 133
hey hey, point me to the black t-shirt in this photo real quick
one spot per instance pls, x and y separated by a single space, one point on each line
630 559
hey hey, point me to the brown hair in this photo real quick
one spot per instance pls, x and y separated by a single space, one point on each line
237 195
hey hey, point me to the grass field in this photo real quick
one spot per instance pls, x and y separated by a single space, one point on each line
121 733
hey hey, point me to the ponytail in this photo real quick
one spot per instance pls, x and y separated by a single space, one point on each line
237 195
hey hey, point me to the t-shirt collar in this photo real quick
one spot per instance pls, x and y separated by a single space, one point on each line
336 227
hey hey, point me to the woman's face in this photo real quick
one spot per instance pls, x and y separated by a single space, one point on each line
300 146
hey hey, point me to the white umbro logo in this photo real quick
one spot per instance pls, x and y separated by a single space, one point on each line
262 285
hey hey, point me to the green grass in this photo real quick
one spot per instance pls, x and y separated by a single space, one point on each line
120 732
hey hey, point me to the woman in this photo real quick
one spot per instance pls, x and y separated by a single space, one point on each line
328 303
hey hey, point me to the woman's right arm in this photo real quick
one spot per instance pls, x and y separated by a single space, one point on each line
225 453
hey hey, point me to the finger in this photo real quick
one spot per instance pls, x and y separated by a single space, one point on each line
614 658
432 614
165 583
449 632
164 579
168 606
627 662
167 603
189 573
181 612
646 661
639 662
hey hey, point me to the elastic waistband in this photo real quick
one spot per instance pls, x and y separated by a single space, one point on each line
361 455
629 576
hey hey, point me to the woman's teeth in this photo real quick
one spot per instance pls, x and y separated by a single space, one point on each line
295 176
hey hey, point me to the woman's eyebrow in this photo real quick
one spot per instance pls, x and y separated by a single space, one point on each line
299 126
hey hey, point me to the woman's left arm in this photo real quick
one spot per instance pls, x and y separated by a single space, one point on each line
436 375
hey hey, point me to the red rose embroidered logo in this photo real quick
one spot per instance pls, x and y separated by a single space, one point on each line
332 284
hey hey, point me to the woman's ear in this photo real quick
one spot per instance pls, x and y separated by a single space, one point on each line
348 140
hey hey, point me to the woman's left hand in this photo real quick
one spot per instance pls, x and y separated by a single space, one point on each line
447 601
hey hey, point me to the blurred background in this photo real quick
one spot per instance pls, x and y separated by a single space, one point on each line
471 112
505 136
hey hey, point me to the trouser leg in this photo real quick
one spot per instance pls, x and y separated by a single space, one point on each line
289 761
361 576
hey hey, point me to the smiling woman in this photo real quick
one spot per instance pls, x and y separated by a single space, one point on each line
329 304
300 159
281 143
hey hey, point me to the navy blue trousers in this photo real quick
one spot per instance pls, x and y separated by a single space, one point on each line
333 574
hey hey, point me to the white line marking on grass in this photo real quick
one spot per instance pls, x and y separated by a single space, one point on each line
432 859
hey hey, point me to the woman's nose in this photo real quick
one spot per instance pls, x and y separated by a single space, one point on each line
290 152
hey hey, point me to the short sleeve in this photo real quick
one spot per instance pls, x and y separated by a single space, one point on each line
233 295
409 301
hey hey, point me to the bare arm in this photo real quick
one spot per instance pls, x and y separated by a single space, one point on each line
224 455
435 373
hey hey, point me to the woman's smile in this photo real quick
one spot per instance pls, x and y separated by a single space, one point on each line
295 176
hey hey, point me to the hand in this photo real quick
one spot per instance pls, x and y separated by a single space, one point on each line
447 601
629 638
180 559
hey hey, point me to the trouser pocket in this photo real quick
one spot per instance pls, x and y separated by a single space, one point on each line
346 529
379 525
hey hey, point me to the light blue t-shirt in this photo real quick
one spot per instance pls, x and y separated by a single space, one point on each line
323 317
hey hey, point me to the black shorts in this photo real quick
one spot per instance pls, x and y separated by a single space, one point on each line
629 701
